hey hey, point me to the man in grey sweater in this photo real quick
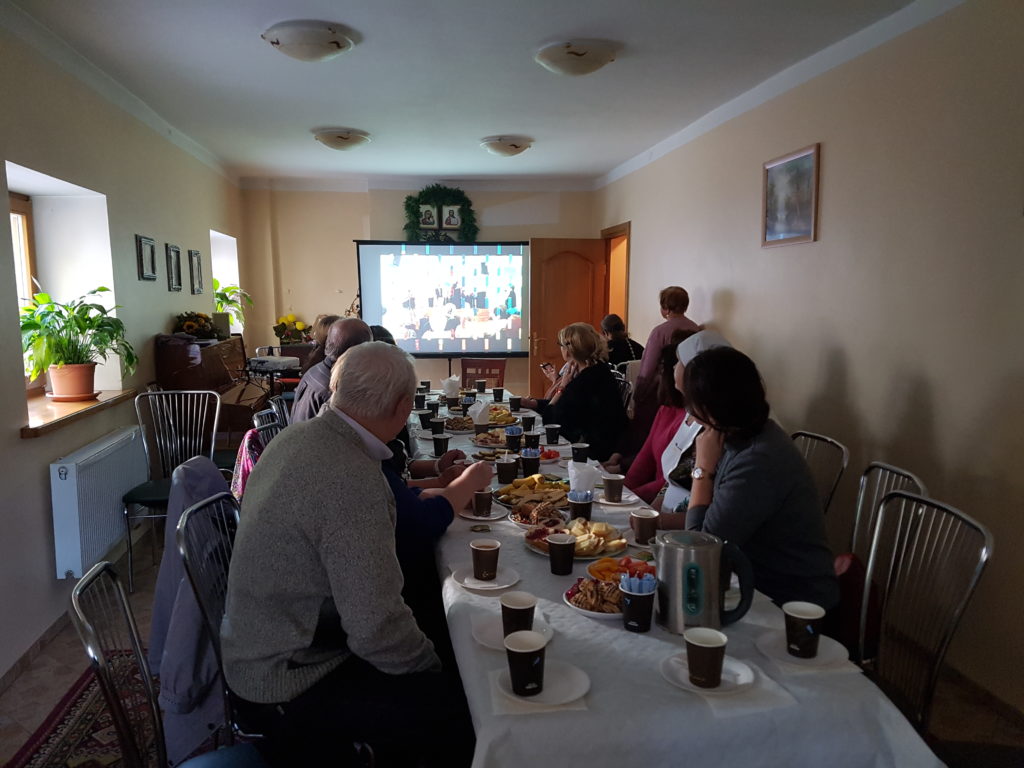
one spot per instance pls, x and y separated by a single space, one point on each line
317 641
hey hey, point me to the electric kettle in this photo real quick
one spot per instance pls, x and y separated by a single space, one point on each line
693 573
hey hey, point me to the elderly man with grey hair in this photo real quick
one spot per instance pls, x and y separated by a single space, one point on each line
314 389
317 642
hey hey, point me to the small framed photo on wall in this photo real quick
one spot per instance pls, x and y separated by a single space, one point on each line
195 270
173 267
428 217
145 254
451 219
790 198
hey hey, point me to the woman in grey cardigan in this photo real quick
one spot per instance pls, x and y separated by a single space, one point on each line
750 484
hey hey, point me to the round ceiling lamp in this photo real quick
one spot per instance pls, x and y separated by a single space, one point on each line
506 146
576 57
342 138
308 40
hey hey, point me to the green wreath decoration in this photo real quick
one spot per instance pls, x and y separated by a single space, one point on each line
439 196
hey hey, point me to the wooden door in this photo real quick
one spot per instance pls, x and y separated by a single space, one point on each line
568 284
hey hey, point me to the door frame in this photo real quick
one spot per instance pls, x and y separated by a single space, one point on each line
608 234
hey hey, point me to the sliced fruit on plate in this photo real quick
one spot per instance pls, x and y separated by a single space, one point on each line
610 568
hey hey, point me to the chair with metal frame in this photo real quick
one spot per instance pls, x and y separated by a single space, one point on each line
827 459
104 621
926 559
206 539
267 424
281 408
176 425
878 480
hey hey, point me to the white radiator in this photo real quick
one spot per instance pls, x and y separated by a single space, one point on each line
87 487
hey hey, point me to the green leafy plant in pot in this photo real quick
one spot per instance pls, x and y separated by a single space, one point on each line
232 300
65 340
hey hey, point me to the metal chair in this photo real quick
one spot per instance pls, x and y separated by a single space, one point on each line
878 480
827 459
176 425
206 539
926 559
281 408
104 620
267 424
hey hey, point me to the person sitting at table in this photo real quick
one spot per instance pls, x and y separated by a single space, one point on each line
318 645
621 348
645 475
587 403
314 388
674 302
751 486
321 326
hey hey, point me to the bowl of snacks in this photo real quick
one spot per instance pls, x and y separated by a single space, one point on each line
533 488
528 514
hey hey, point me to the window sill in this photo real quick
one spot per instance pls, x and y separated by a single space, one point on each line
45 416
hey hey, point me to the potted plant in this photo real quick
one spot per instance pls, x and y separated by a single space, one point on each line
65 340
230 300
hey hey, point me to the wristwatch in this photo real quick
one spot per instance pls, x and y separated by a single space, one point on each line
697 473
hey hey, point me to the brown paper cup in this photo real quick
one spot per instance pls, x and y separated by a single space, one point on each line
525 652
705 652
803 628
485 558
517 609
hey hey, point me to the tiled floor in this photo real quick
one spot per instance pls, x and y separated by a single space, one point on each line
958 715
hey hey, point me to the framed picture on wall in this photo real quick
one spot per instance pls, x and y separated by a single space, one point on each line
790 198
195 271
450 217
145 253
428 217
173 267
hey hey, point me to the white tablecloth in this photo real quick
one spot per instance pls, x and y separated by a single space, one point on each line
632 715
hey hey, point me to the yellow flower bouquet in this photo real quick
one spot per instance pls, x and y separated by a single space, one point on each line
291 330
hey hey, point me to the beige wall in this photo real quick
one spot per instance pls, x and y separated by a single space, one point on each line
55 125
898 332
300 256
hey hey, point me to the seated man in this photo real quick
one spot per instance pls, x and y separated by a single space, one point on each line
314 389
317 641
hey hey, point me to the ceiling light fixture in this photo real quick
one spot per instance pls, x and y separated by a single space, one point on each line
342 138
577 57
308 40
506 146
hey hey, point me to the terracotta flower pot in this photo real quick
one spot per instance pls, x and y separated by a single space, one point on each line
71 383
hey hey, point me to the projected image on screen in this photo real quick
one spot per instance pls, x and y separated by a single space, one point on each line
454 300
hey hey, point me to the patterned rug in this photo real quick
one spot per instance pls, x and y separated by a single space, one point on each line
78 733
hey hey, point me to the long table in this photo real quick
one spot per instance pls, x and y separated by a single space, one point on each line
632 715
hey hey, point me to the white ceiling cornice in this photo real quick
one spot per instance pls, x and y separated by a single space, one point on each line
34 34
845 50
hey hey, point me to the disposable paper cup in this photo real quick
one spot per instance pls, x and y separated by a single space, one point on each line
551 433
515 402
433 406
424 416
481 428
803 628
561 552
532 439
425 383
705 652
419 400
499 394
528 422
517 610
485 558
579 452
482 503
613 487
525 652
645 524
437 425
531 466
508 468
637 610
580 509
481 385
441 445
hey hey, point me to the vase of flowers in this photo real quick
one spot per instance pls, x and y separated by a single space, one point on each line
291 330
198 324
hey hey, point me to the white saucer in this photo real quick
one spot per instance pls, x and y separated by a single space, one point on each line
488 631
831 653
630 536
629 499
506 577
496 514
562 683
593 614
736 676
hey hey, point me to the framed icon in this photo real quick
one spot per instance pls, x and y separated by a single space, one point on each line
173 267
428 217
145 254
195 270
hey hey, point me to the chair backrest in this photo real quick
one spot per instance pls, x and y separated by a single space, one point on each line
827 459
268 432
878 480
926 559
280 407
265 417
268 351
104 620
625 388
177 425
492 369
206 539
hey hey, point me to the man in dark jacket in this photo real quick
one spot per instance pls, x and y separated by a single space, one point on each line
314 389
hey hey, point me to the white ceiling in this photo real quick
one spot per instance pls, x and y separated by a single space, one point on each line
430 78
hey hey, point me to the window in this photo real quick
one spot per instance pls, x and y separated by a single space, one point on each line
21 235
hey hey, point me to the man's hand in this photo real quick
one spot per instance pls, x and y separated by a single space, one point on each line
477 476
448 475
613 465
448 460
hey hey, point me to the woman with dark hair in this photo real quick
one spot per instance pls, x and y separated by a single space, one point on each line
751 486
621 348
